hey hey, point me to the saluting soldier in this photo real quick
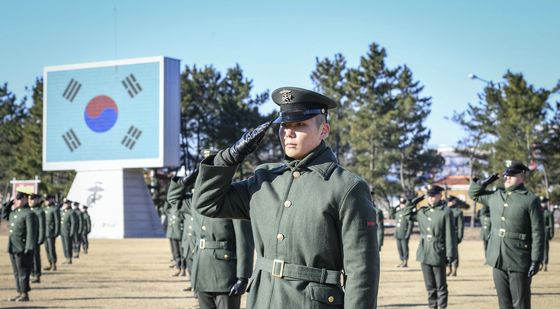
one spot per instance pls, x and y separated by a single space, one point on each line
22 241
548 229
312 220
77 238
174 233
35 205
516 245
403 230
52 230
485 226
68 227
457 217
86 228
437 244
223 260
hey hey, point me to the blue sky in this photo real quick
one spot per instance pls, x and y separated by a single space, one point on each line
276 42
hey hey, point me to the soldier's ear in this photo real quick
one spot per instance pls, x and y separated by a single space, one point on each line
325 130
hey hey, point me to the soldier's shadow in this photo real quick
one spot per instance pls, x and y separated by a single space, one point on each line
402 305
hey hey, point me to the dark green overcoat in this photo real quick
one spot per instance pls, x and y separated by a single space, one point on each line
403 227
52 221
174 221
438 240
458 222
86 223
41 220
225 247
308 214
517 234
23 229
68 222
549 224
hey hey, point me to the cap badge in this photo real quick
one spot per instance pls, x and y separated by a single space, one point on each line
287 96
508 163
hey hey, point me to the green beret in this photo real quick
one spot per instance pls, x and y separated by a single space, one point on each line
298 104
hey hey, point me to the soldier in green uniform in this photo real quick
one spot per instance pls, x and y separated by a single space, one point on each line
175 228
403 230
52 230
68 227
22 241
313 221
36 207
516 245
86 228
458 222
485 226
77 238
223 259
548 230
188 239
437 244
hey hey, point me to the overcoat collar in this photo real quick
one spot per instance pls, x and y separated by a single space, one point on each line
320 160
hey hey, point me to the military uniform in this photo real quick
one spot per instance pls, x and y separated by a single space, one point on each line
403 230
77 238
86 229
188 239
223 256
311 218
485 226
437 246
516 244
68 228
38 210
380 227
22 241
52 230
548 230
458 222
175 228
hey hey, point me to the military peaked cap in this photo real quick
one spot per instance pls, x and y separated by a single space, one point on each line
514 168
434 189
298 104
544 199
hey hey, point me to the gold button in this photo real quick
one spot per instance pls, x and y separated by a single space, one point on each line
428 229
12 224
429 219
173 217
204 227
330 299
509 193
296 174
15 216
431 209
190 227
11 231
506 205
192 219
226 256
503 219
280 237
287 204
190 234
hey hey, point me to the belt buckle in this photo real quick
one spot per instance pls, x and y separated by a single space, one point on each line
502 232
429 237
277 268
202 243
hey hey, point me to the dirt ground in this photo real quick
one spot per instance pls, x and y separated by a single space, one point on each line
134 273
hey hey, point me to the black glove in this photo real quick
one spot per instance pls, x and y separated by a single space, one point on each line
245 145
450 260
417 199
489 180
534 269
239 287
188 181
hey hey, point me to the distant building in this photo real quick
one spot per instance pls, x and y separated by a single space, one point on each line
455 164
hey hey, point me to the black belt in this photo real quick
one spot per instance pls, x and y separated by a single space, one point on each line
210 244
280 269
507 234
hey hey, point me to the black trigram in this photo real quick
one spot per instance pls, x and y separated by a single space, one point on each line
131 85
131 137
72 90
71 140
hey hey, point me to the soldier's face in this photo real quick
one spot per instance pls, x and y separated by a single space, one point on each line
300 138
513 180
433 199
20 201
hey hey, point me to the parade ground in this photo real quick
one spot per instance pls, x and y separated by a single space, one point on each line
135 273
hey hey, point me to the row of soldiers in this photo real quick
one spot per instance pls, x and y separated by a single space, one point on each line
32 223
316 230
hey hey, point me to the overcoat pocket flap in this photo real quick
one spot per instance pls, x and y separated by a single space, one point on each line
327 295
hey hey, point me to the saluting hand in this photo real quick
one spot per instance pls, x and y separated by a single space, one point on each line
418 199
248 143
239 287
188 181
489 180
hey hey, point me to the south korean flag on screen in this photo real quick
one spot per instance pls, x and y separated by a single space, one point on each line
103 113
